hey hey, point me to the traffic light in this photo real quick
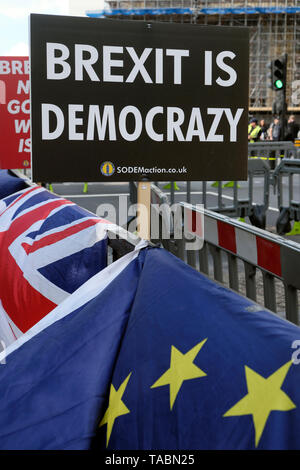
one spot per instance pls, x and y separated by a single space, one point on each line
280 73
277 75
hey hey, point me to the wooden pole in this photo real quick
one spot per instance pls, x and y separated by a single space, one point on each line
144 209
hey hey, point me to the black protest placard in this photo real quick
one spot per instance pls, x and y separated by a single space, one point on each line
122 100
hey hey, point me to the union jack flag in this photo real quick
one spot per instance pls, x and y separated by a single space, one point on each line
49 247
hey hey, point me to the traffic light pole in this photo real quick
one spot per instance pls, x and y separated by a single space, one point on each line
282 119
283 98
277 78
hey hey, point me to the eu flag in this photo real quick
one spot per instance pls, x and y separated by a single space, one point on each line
149 354
55 384
200 367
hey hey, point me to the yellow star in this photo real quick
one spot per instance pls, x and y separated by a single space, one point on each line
181 368
115 408
264 396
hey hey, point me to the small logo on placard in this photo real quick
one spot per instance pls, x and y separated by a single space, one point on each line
107 168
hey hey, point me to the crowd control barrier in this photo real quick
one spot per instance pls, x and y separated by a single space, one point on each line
274 256
260 157
240 207
258 250
266 151
244 207
120 244
289 210
226 241
229 244
269 150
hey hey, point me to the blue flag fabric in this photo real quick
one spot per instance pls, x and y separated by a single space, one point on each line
162 358
9 183
201 367
55 385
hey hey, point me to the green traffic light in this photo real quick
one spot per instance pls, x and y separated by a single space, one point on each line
279 84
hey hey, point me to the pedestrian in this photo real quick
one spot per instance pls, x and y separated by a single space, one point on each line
292 129
274 130
254 131
264 130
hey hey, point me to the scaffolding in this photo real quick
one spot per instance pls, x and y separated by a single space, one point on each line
274 30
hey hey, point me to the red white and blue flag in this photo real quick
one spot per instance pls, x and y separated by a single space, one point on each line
49 247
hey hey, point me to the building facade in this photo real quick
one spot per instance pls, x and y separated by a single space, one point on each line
274 30
79 7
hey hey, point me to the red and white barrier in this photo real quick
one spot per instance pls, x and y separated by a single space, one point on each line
260 248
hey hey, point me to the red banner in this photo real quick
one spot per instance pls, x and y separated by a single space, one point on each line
15 146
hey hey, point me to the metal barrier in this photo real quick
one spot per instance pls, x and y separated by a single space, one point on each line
272 150
289 210
266 151
288 168
240 207
120 244
275 257
257 250
258 167
243 207
260 155
162 219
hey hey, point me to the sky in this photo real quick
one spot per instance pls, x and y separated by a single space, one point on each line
14 22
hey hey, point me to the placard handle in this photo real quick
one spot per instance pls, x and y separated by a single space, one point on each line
144 209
